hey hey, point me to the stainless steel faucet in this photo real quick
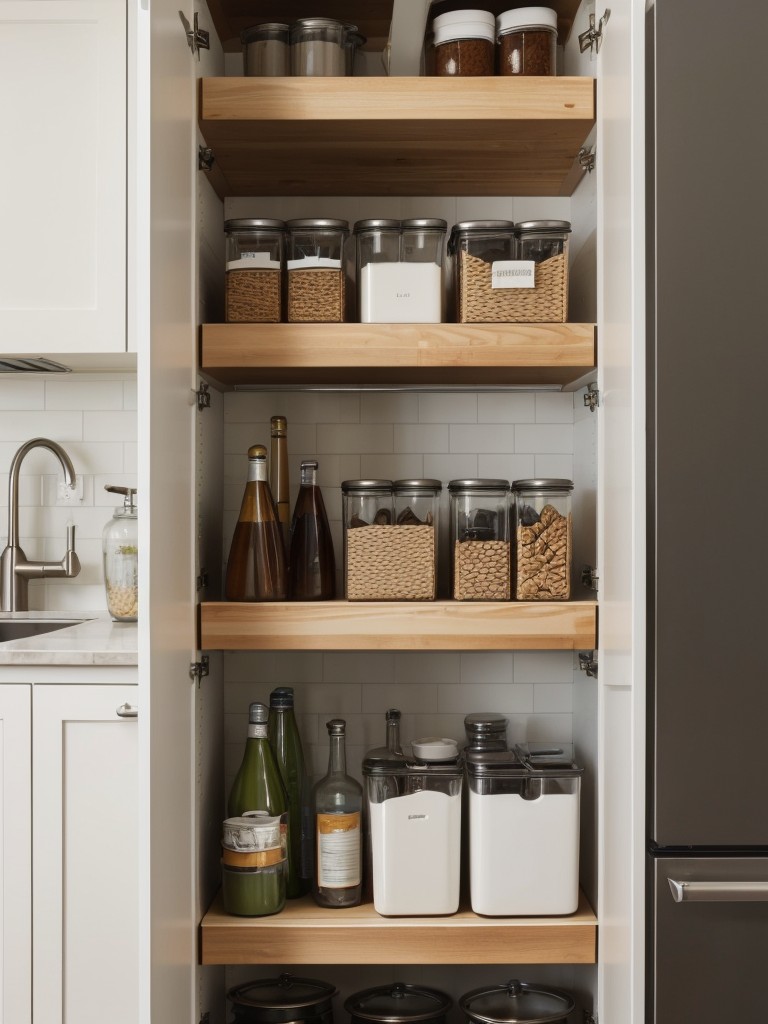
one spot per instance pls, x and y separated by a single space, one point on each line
16 570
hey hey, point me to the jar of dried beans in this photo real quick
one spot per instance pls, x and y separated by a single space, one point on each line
255 259
316 276
464 43
480 539
527 38
543 539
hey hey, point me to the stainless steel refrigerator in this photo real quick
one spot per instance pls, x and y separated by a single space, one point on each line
708 515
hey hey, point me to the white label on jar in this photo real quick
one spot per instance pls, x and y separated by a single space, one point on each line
254 261
314 263
513 274
339 861
400 293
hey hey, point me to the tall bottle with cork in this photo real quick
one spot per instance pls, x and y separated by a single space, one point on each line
337 802
279 477
312 568
286 745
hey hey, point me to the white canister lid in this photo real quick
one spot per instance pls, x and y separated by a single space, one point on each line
435 748
527 17
456 17
464 25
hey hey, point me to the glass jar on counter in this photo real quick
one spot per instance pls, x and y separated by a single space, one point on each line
120 548
266 52
543 539
475 245
527 38
316 278
479 519
254 268
464 43
317 47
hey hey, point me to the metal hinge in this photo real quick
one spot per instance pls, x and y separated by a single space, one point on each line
205 158
203 395
202 580
197 38
588 664
591 397
587 158
593 37
199 669
589 577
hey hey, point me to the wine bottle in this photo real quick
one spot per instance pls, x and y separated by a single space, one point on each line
258 785
337 802
256 569
286 745
312 568
278 475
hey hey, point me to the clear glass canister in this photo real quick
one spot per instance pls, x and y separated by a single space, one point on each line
316 270
354 41
368 510
464 43
377 252
541 240
475 245
416 507
543 539
527 38
318 47
119 541
266 50
480 539
255 258
399 270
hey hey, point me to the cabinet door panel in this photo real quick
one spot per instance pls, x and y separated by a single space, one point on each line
16 855
63 201
85 855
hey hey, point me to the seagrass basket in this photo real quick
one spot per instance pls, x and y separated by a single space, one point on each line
390 563
478 302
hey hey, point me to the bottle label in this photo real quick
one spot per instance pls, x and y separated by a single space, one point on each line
257 731
338 850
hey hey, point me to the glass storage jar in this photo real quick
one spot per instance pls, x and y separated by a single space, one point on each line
266 52
416 507
354 41
399 270
316 270
475 246
377 258
541 240
119 541
527 38
543 539
254 268
317 47
464 43
479 518
367 510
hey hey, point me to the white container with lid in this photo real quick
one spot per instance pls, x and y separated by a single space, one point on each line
464 43
527 38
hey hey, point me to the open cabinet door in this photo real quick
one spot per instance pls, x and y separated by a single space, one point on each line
620 513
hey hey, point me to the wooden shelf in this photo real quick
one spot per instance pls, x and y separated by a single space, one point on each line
396 136
304 933
398 626
398 354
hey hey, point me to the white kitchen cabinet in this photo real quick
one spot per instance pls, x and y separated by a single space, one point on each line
63 73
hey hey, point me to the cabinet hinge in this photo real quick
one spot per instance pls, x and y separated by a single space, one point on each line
203 395
593 37
587 158
197 38
589 577
591 397
202 579
199 669
205 158
588 664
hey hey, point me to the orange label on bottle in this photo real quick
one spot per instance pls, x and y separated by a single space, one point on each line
339 863
329 823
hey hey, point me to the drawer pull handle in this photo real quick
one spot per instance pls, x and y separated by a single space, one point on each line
718 892
127 711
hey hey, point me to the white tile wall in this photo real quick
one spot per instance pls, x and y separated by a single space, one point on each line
94 418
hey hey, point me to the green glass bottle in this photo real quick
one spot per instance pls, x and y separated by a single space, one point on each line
286 745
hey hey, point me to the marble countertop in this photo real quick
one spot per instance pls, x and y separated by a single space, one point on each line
96 640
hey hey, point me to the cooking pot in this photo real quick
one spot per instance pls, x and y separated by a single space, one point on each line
283 1000
517 1002
398 1004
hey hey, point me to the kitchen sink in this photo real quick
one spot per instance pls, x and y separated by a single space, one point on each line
19 629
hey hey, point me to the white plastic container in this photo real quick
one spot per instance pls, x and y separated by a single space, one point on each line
523 832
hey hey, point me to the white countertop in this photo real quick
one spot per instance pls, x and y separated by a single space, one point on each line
96 641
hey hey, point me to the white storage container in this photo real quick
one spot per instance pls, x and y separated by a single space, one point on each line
523 831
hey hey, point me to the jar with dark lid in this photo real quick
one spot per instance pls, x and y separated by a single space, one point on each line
475 245
266 52
367 509
541 240
479 518
527 38
464 43
398 1004
416 507
543 539
283 1000
254 269
316 277
517 1002
486 731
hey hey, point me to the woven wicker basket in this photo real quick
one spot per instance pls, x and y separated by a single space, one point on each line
479 303
391 563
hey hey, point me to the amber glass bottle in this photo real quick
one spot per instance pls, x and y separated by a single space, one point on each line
312 565
278 475
256 568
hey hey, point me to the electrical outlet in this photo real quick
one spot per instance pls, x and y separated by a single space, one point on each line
66 495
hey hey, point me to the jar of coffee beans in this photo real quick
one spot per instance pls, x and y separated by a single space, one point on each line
480 539
254 268
464 43
527 38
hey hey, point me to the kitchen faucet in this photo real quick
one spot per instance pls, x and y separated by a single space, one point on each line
16 570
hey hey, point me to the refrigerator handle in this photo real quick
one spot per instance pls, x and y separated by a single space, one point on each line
718 892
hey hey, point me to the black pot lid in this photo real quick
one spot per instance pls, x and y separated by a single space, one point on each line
517 1003
391 1004
284 993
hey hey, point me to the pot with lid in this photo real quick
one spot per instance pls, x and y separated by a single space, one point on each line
517 1002
283 1000
398 1004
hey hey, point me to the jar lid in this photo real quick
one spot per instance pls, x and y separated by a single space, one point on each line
478 485
303 23
281 697
542 485
524 761
254 224
483 226
517 1002
472 29
347 486
393 1004
543 227
435 748
317 223
425 224
286 998
408 486
526 17
481 723
254 31
380 223
458 17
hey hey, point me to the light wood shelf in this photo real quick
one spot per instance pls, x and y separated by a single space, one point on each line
396 136
304 933
398 354
398 625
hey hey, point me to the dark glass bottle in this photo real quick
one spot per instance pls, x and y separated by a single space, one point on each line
312 564
337 802
278 475
286 744
256 569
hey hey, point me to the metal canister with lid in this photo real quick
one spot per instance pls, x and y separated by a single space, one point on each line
517 1002
486 731
543 539
323 47
398 1004
480 539
283 1000
266 52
